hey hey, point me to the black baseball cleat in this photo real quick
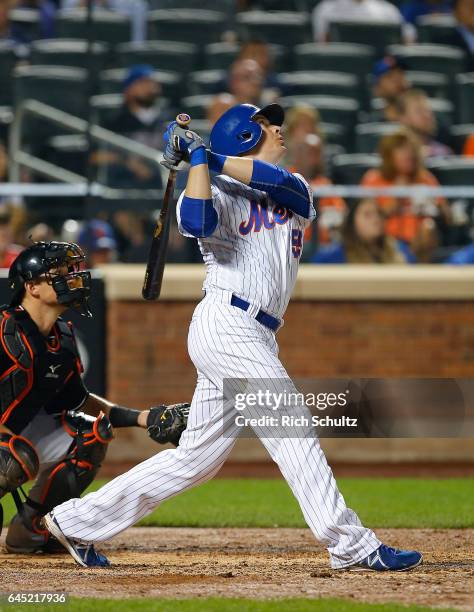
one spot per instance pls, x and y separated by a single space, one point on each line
83 554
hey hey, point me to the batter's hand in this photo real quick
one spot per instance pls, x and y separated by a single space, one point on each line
167 423
183 140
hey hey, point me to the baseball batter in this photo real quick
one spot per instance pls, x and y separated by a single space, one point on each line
249 221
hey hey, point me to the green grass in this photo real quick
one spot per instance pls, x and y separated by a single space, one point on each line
219 605
380 502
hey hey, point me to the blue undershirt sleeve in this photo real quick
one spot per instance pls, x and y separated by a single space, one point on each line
282 186
198 217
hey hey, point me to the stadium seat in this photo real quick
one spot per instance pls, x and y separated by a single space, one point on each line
6 118
107 26
319 83
29 21
63 87
465 97
8 60
378 35
459 134
224 5
334 134
204 82
111 82
342 111
433 28
284 27
106 106
196 106
337 57
348 169
453 171
435 85
280 5
368 135
219 56
193 26
443 109
431 58
162 55
63 52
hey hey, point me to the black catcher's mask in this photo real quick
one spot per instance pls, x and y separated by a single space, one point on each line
59 263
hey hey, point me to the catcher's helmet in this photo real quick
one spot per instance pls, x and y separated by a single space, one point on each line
72 286
237 132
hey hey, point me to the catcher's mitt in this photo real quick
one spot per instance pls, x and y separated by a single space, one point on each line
167 423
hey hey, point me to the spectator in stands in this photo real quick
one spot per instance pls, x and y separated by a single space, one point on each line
40 232
135 10
300 121
308 161
8 249
462 35
246 81
139 120
407 219
415 113
376 11
412 10
98 241
14 204
47 15
133 231
462 257
10 31
364 240
469 146
218 105
261 52
389 82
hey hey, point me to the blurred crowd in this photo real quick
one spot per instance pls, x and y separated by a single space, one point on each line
409 133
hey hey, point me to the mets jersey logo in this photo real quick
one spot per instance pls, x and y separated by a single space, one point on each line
260 216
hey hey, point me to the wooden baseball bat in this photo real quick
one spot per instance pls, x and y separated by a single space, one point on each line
159 244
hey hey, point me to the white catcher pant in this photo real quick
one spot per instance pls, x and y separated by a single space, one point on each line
223 342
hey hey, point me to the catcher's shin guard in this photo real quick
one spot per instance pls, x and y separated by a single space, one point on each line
18 464
67 479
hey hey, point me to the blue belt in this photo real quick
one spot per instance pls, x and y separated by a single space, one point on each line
262 317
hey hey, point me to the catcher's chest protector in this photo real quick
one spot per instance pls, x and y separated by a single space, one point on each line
33 369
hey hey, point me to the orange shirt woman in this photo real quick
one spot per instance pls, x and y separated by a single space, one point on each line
402 166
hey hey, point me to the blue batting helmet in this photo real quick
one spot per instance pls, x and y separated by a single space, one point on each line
237 132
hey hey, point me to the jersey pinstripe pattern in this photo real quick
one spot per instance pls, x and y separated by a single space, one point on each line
226 342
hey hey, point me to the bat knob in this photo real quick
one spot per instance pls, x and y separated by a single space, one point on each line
183 119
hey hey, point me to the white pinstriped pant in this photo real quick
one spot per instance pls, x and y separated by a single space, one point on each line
223 342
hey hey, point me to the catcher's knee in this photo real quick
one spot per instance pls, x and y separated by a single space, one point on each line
18 462
74 474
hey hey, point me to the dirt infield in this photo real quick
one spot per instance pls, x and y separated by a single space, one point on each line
254 563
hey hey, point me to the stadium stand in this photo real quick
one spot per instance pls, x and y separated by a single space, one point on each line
193 45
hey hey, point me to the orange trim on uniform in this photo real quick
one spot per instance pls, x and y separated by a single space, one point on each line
96 430
50 477
37 529
71 432
57 344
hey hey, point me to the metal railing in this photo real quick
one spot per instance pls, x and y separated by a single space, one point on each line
19 157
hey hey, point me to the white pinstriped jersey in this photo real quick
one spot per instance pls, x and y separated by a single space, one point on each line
256 247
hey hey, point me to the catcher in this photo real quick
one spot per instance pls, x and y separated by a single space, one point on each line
58 432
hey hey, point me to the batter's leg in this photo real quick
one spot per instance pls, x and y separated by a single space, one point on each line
129 497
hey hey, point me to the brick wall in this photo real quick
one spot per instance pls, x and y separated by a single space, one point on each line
148 360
